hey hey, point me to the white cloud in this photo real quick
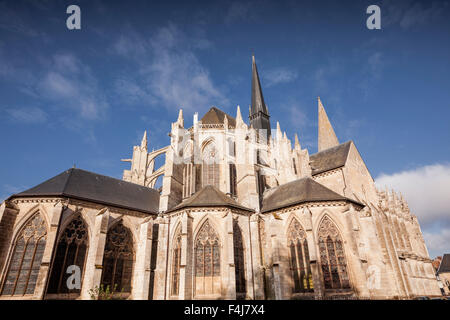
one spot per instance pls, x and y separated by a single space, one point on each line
425 188
169 73
237 11
27 115
279 75
437 242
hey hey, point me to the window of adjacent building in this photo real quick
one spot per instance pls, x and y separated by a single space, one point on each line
239 264
26 258
71 250
118 259
299 258
207 261
333 261
176 259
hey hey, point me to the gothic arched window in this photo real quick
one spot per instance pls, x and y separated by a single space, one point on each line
239 264
334 265
233 180
299 258
71 250
118 259
26 258
207 261
210 170
176 259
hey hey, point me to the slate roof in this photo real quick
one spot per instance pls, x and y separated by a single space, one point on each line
330 159
209 196
299 191
89 186
445 264
217 116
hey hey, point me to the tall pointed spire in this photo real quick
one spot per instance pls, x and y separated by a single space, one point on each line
259 115
144 140
258 103
327 137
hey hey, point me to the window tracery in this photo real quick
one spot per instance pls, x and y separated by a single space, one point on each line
210 170
207 260
299 258
118 259
71 250
26 258
333 261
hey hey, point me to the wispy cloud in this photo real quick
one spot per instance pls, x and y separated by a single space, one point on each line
60 81
69 83
425 188
409 14
239 11
11 21
279 75
174 77
27 115
8 190
323 75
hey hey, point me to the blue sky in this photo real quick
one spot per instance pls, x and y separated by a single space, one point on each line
85 97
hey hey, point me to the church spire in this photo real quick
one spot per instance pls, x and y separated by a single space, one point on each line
327 137
259 115
258 103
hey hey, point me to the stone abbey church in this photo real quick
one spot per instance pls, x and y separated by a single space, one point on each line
242 214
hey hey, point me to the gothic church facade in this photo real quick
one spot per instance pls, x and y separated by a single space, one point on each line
242 213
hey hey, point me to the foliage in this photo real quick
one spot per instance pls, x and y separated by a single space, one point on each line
102 293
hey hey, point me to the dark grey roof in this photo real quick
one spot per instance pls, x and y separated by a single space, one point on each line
330 159
299 191
445 264
85 185
217 116
209 196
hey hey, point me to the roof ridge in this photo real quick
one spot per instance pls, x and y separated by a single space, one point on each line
113 178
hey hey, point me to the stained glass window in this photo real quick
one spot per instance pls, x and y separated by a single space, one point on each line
210 170
299 258
239 264
26 258
118 259
332 257
71 250
207 260
176 258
